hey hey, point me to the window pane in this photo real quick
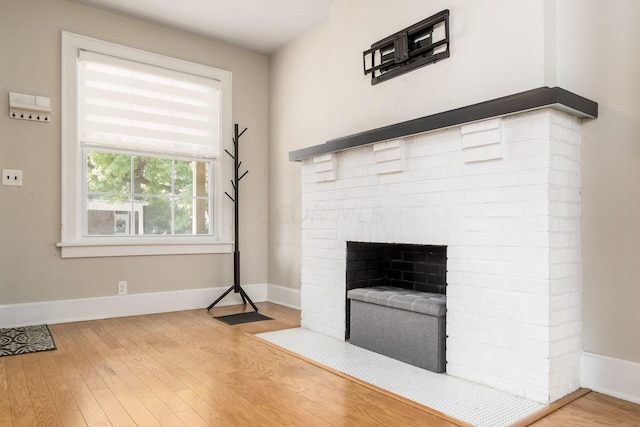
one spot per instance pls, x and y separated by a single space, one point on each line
155 217
201 223
108 172
184 217
108 216
191 178
186 221
152 175
183 177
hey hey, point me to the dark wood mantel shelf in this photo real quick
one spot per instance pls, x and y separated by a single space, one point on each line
543 97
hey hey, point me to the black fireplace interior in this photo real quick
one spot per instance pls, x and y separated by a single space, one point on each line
418 267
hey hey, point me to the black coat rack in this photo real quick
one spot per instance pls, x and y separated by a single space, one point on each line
236 253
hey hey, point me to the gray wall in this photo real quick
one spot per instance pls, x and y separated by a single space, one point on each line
499 47
30 265
606 68
319 91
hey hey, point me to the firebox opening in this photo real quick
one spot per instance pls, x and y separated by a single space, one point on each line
418 267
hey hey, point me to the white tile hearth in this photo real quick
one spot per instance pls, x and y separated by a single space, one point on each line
473 403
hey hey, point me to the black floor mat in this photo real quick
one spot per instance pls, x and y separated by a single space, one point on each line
247 317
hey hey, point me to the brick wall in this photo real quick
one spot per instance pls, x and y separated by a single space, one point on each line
504 196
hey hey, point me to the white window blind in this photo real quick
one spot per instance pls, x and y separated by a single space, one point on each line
131 106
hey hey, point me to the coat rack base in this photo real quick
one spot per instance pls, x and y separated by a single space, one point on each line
243 295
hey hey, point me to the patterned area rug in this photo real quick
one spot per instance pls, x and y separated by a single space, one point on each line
25 339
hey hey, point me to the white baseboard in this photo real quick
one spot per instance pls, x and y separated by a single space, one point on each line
284 296
51 312
614 377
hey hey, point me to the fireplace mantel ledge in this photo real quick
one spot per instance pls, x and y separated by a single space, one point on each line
543 97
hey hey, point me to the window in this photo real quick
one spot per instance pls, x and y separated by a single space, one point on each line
129 195
142 135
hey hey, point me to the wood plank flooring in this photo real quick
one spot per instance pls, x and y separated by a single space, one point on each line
594 410
187 369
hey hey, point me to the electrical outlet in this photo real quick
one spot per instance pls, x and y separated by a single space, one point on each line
12 177
122 287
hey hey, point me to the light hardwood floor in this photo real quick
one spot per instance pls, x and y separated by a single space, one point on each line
187 369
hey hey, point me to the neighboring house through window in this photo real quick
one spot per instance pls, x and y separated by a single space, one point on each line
142 135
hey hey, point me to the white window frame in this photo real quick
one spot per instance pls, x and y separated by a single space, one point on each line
74 243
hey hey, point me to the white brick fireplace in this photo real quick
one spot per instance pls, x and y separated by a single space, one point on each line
503 195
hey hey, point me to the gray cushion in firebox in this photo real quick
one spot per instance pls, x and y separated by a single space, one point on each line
404 299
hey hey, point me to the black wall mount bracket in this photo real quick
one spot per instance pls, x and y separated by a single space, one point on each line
421 44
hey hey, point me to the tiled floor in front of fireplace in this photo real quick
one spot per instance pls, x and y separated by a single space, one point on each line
469 402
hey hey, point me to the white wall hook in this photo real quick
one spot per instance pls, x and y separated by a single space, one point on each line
29 107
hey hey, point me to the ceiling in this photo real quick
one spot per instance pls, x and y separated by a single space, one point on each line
258 25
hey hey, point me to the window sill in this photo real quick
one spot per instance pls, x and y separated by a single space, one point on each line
102 248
